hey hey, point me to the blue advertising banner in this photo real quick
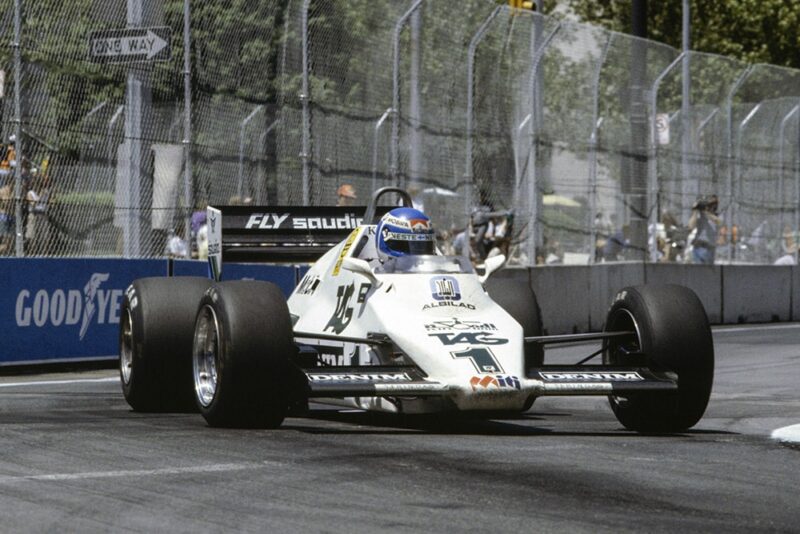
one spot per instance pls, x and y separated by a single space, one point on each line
54 310
284 276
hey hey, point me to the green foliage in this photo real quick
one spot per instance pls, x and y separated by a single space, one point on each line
755 31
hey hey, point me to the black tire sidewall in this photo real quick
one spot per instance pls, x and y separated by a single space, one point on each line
675 336
162 321
254 345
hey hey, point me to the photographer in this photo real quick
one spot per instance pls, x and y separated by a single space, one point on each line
705 219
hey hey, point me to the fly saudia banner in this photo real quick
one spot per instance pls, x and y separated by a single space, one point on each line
64 309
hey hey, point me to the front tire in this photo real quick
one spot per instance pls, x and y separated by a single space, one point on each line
155 343
672 335
243 342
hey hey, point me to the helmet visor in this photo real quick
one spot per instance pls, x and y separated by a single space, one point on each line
416 244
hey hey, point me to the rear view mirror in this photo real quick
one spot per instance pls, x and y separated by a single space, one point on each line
355 265
491 265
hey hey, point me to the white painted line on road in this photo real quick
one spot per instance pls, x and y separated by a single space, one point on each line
58 382
790 434
722 329
213 468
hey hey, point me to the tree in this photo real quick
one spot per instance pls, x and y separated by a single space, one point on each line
756 31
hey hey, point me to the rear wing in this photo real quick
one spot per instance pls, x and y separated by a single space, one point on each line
276 234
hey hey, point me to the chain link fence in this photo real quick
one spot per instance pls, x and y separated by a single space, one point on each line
553 141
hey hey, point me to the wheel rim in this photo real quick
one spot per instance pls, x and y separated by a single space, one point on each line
205 355
126 347
621 320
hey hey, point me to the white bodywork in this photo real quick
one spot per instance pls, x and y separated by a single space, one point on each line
441 319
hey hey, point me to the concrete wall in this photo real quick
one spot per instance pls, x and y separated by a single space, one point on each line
575 298
705 280
756 293
795 293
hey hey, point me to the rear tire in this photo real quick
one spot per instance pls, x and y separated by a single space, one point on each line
243 343
674 335
156 332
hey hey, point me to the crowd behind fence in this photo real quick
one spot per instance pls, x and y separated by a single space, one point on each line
551 141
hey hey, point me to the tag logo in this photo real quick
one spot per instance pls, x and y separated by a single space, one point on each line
343 313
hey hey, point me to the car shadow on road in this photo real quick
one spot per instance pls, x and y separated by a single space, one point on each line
526 424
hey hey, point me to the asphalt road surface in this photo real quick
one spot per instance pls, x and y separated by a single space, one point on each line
75 458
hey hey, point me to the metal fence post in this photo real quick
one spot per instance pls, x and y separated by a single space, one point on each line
533 128
782 132
378 126
93 181
738 159
398 28
652 190
242 127
473 46
796 227
730 194
133 137
187 122
19 248
304 96
259 198
705 122
687 142
517 171
593 149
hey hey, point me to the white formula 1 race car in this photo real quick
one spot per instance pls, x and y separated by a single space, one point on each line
382 322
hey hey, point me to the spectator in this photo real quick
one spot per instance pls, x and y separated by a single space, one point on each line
346 195
675 240
616 244
31 199
789 248
9 160
706 221
198 225
6 220
176 245
38 197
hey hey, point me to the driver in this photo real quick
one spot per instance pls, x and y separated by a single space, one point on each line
404 231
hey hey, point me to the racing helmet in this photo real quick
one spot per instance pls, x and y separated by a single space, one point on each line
404 231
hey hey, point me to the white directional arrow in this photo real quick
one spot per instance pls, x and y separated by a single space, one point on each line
149 44
157 44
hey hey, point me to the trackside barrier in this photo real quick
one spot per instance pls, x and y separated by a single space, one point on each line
575 299
62 310
67 310
56 310
795 293
284 276
756 293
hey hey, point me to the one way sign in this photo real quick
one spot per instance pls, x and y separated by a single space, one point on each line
129 45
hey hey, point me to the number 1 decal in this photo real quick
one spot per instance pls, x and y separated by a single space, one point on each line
482 358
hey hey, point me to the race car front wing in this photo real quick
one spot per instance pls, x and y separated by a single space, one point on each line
381 381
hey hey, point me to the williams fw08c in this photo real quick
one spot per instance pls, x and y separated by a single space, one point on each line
381 321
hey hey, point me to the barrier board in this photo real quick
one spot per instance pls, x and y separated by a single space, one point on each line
54 310
284 276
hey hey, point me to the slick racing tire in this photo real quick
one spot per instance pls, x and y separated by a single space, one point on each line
155 343
243 343
519 300
672 335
